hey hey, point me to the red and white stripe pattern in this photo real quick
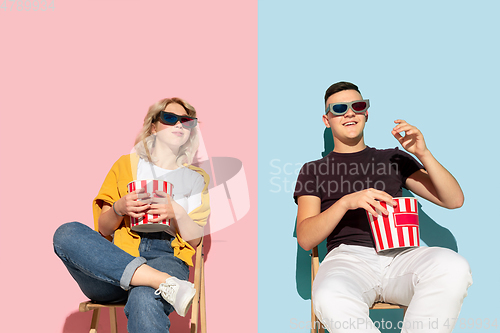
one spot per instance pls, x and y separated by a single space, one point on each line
143 224
399 228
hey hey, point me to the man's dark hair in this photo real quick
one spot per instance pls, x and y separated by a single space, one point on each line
340 86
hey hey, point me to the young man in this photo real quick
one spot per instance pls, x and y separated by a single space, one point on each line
333 195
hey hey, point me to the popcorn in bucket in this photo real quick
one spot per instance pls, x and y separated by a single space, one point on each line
399 229
143 224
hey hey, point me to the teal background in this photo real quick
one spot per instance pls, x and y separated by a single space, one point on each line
434 64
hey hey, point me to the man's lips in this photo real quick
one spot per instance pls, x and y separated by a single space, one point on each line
350 123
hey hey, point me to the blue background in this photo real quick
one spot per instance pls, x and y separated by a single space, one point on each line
434 64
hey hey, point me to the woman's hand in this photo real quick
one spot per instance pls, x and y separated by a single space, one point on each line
166 208
369 200
413 141
134 204
162 205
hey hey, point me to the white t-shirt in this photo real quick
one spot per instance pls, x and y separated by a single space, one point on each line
188 184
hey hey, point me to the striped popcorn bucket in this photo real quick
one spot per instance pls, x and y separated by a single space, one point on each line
144 224
399 229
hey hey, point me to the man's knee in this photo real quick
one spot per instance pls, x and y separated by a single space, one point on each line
459 274
453 263
452 272
338 296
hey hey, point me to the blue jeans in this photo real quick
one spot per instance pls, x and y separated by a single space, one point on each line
103 271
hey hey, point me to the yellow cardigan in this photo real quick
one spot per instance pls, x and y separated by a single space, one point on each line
115 186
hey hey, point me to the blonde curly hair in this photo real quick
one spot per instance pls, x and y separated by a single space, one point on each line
145 140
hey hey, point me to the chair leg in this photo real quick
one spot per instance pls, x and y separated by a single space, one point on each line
198 273
195 307
112 320
320 326
95 320
203 310
316 326
194 311
313 316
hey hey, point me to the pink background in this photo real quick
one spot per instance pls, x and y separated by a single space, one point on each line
75 85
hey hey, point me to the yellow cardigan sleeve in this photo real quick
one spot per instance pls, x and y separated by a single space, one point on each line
113 188
183 249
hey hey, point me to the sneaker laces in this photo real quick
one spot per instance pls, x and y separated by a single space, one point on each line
168 290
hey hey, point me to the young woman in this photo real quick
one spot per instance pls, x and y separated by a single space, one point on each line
149 270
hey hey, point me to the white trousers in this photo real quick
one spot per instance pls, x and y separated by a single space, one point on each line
431 281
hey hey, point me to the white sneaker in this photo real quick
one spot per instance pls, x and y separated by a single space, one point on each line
177 292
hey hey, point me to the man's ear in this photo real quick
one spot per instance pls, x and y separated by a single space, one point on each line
366 114
325 120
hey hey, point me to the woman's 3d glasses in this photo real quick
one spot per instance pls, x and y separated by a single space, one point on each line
168 118
338 109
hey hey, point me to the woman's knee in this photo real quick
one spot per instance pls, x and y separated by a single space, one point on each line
66 235
67 232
